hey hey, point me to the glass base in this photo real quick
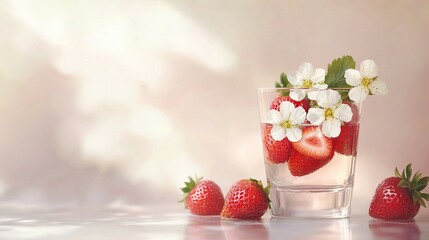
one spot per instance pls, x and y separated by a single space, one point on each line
311 201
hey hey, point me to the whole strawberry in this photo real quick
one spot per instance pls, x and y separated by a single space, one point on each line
203 197
246 199
399 197
275 151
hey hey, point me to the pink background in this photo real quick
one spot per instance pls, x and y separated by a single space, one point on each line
115 103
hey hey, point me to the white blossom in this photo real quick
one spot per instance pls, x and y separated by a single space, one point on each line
365 81
286 122
330 113
307 77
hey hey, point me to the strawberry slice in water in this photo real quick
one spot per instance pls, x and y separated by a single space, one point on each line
314 144
301 165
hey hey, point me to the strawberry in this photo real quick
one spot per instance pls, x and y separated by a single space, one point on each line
246 199
304 103
346 142
275 151
314 144
203 197
399 197
301 165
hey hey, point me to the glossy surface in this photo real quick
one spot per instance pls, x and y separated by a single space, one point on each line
175 223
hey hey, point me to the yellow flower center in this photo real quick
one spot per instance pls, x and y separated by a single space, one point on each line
307 83
366 81
286 124
329 113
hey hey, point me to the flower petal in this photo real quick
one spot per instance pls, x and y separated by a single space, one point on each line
274 117
318 76
286 109
294 134
378 88
331 127
295 79
321 86
297 94
343 113
278 133
358 94
353 77
307 70
312 95
328 98
316 116
298 115
368 69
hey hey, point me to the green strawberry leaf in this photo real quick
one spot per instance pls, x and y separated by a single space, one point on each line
416 178
408 172
189 186
335 76
421 184
397 172
284 82
425 196
415 184
421 201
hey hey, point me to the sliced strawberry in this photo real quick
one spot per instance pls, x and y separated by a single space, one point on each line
304 103
314 144
301 165
275 151
346 142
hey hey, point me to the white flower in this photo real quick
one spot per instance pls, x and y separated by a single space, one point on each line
285 122
364 81
330 114
306 77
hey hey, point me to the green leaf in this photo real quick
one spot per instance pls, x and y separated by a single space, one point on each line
404 184
421 184
335 75
397 172
284 80
417 177
425 196
408 172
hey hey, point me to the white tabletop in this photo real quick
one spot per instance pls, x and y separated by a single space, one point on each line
176 223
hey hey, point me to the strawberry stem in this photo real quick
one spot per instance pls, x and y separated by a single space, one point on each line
189 186
415 184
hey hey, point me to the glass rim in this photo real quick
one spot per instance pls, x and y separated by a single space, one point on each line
267 89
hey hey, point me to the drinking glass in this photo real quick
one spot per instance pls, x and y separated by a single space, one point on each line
325 192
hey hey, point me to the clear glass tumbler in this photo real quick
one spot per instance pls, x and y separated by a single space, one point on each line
303 186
